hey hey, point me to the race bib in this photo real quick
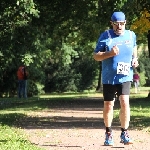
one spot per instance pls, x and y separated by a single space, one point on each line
123 68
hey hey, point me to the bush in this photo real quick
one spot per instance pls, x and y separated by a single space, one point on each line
142 78
144 68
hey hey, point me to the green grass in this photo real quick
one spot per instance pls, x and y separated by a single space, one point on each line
14 139
11 137
140 110
14 111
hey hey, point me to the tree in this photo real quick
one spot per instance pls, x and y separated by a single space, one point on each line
55 38
148 40
15 20
141 26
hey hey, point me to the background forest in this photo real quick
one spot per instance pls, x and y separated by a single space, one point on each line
55 39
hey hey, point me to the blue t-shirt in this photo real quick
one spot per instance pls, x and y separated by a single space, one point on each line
117 69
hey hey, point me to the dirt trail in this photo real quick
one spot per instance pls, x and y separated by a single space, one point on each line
77 125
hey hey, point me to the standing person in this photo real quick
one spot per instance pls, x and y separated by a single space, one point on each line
22 81
136 80
116 48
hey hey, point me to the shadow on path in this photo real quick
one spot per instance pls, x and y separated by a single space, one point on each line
83 113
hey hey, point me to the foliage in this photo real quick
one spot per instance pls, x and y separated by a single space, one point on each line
144 68
16 40
143 79
16 14
142 25
55 39
78 77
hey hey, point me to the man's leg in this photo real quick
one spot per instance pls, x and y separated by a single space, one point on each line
108 92
19 88
108 117
138 85
124 114
24 88
135 86
108 113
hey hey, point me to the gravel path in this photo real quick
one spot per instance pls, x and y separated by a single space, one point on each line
77 125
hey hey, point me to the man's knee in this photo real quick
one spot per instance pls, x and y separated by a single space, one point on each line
108 105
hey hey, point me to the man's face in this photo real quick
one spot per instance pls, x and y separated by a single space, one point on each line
118 27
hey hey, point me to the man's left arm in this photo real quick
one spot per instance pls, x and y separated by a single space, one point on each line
135 55
135 58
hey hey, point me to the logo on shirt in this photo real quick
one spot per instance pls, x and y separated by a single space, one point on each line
127 42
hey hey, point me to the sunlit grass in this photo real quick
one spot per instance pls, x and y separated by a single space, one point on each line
140 110
14 139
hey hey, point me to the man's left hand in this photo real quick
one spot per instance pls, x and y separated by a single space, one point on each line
135 62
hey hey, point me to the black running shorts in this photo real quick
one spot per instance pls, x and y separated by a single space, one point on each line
110 90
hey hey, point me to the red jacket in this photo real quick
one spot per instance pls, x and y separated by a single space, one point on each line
20 73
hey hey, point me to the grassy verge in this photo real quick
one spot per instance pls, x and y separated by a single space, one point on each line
14 139
140 110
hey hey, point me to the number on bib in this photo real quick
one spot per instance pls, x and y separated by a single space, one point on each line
123 68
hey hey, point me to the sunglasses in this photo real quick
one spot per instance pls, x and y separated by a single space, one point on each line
119 23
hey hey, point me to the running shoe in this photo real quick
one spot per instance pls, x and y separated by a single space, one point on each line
109 139
125 139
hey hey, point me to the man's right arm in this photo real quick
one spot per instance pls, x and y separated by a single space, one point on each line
100 56
100 52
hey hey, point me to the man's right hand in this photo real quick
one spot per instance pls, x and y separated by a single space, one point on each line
100 56
114 51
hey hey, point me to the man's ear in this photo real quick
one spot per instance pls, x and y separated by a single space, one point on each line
111 22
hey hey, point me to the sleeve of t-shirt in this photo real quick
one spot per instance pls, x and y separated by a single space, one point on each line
101 43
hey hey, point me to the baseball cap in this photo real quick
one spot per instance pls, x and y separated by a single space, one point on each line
118 16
